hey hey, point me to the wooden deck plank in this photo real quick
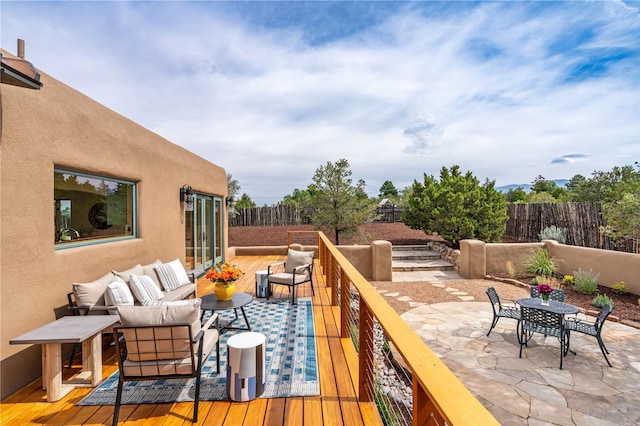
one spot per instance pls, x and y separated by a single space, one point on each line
337 404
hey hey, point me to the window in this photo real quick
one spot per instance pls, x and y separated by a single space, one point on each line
89 209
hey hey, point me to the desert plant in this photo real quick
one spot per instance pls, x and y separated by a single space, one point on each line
585 282
511 269
568 279
619 287
554 233
539 262
600 300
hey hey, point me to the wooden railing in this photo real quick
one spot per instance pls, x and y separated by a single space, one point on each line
439 398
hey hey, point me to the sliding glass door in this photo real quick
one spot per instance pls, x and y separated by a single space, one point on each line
203 236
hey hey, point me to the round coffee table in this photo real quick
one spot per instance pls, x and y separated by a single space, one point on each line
239 300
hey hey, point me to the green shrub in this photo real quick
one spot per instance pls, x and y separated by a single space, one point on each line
554 233
585 282
619 287
539 262
568 279
600 300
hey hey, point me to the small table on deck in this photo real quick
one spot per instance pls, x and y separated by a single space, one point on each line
70 329
211 303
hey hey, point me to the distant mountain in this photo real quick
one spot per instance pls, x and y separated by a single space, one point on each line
527 186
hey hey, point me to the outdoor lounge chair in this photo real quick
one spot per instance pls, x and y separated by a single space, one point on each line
591 328
557 294
163 342
500 311
298 269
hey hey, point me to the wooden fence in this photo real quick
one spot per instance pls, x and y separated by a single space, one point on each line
581 220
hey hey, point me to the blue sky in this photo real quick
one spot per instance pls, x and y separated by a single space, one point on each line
272 90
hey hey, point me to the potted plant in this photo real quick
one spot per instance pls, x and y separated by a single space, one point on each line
224 275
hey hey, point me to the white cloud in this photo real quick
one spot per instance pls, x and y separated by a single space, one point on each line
502 89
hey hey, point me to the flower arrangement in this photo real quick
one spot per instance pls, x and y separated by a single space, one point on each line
545 289
224 272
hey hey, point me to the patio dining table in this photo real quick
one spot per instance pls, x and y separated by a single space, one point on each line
544 319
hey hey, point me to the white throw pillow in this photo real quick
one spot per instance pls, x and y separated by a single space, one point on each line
144 289
172 275
118 294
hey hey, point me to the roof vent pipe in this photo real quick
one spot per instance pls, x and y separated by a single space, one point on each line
20 48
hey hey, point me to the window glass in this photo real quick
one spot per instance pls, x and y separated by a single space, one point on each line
89 208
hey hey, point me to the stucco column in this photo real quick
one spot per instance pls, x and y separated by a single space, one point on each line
381 269
473 259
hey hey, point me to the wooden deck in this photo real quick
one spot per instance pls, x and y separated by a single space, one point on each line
337 405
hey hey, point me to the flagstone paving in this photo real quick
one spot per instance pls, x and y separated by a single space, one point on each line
531 390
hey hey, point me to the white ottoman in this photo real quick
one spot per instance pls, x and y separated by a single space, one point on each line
262 284
246 353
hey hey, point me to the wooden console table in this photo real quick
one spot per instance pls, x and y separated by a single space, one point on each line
70 329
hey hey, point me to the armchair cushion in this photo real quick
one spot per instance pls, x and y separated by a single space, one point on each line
92 293
137 350
145 289
297 258
172 275
126 275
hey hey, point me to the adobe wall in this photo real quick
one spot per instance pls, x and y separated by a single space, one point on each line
480 259
58 126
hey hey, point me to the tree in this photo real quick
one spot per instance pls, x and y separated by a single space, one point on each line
517 195
605 186
623 217
387 190
233 187
245 202
457 207
338 205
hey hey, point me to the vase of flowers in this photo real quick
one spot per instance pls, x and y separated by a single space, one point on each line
545 291
224 275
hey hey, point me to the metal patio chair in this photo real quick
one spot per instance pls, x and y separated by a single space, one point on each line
591 328
557 294
499 310
298 269
163 342
541 321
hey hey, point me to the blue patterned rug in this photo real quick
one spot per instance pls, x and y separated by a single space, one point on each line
291 360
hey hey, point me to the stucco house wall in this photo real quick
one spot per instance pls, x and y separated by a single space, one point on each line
58 126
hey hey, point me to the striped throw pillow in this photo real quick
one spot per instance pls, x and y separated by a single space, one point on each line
172 275
144 289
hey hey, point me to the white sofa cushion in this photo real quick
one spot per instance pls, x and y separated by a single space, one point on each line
144 289
118 293
172 275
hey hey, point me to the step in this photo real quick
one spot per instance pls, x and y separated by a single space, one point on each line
421 265
414 255
411 248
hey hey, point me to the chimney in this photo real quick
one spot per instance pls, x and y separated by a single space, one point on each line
20 48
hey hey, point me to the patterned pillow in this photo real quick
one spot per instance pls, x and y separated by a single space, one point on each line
144 289
172 275
118 293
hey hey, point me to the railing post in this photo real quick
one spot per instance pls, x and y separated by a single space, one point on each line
424 410
366 357
345 306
